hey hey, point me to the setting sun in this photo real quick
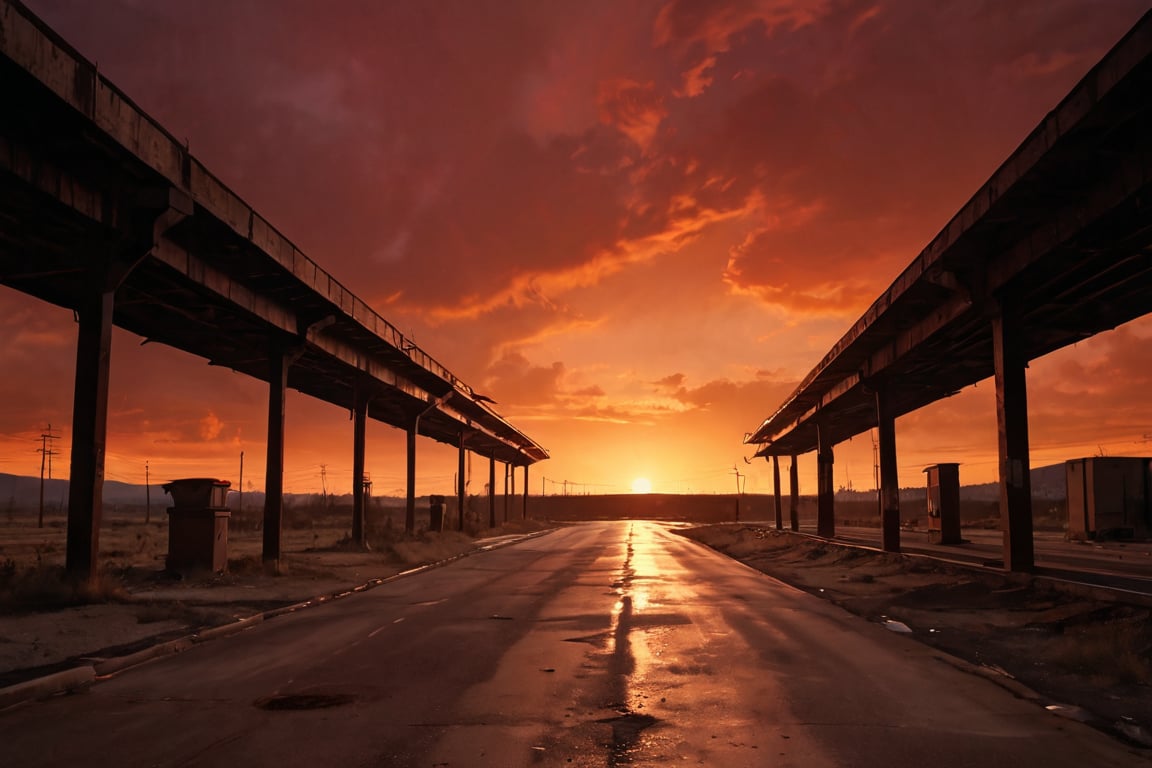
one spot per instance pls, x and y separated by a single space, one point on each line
641 485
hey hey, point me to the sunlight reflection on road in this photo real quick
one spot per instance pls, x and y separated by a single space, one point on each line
633 654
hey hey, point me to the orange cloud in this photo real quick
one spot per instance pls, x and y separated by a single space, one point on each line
512 379
636 109
210 427
703 30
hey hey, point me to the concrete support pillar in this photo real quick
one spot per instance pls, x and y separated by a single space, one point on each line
825 490
1012 422
525 491
359 423
89 430
776 492
460 484
512 473
491 492
142 229
507 469
794 495
889 477
274 464
410 475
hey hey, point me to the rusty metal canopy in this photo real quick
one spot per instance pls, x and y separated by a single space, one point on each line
90 184
1060 235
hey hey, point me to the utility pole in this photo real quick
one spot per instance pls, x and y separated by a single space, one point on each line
46 453
240 501
324 483
875 459
147 496
739 490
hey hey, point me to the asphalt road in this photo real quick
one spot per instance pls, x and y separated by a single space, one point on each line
601 644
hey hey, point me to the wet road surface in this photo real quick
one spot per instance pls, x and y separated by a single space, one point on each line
601 644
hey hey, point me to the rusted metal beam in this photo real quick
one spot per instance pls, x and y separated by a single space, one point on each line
95 313
410 481
89 430
525 491
359 422
278 364
1012 431
507 500
794 495
491 492
825 489
889 490
776 492
460 481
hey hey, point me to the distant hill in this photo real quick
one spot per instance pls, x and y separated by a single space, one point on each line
18 491
24 492
1047 483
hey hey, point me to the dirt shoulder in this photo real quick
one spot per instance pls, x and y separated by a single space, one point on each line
1086 653
45 627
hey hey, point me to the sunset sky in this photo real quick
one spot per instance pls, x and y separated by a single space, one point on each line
635 225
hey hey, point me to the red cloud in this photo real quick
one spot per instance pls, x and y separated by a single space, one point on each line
702 29
635 109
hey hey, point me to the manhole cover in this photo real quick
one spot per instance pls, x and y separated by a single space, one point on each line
295 701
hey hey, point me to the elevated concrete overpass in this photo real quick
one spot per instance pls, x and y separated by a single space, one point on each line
1056 246
106 213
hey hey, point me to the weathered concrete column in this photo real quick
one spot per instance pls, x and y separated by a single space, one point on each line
507 469
274 464
776 492
359 423
794 498
460 483
410 475
157 211
89 431
825 489
889 477
512 474
525 491
1012 422
491 491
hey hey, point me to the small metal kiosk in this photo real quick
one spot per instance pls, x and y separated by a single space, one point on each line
436 513
944 503
198 524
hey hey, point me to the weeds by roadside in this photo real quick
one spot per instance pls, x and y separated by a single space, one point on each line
45 587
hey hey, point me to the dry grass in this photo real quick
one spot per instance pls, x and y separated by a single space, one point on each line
431 547
32 575
1118 651
193 616
50 586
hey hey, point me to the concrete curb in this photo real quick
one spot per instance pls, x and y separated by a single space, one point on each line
85 675
66 681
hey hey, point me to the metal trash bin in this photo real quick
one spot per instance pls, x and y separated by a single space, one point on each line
198 524
436 513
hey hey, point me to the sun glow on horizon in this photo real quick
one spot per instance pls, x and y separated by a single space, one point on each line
641 485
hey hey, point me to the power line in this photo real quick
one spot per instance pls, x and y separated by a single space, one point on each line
46 453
